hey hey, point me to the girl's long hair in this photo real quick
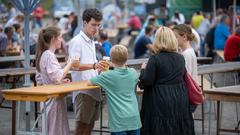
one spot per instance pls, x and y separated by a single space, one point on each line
44 40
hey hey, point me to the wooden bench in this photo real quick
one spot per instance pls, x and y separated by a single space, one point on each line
60 57
125 40
228 94
42 94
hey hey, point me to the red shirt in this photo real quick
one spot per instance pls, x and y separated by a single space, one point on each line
38 13
135 23
232 48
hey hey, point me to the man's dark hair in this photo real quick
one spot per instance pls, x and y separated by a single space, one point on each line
224 17
16 26
7 29
103 35
148 29
90 13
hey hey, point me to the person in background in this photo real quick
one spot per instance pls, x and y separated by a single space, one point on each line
9 31
195 43
12 12
165 103
103 39
184 36
202 31
3 41
38 14
82 47
209 42
124 118
221 33
197 20
162 14
232 47
64 22
73 21
49 71
144 44
178 18
18 33
170 24
100 51
17 19
217 19
134 23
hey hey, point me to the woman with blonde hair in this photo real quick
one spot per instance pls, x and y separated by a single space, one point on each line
165 104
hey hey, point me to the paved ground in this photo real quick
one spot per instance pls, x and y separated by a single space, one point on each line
229 120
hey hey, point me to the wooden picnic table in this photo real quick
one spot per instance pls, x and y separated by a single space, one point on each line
122 26
60 57
210 70
43 94
112 33
219 68
16 73
229 94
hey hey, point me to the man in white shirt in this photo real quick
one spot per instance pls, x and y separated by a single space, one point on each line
82 47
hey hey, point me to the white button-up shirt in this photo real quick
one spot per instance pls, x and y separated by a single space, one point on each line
82 47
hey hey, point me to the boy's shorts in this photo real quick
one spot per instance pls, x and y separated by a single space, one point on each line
86 108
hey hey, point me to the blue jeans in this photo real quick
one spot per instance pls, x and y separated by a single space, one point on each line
131 132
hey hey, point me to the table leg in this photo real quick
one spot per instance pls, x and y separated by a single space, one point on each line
13 117
218 118
36 111
202 118
209 118
202 107
45 119
101 117
14 109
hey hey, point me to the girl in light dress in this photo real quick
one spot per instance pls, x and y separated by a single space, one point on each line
50 72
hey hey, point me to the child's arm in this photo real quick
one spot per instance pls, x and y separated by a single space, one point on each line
90 83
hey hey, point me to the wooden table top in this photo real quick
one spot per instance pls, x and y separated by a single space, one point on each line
16 71
219 68
52 89
112 33
228 93
225 90
21 58
43 93
122 26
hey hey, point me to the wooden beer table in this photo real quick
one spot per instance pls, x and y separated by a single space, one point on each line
229 94
43 94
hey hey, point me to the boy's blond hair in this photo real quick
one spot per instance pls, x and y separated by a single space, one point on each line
165 40
119 54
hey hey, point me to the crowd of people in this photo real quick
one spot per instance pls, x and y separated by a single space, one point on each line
165 105
211 33
172 46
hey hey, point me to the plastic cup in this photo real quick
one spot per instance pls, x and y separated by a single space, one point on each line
106 62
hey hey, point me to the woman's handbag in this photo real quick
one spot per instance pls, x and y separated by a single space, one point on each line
195 93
